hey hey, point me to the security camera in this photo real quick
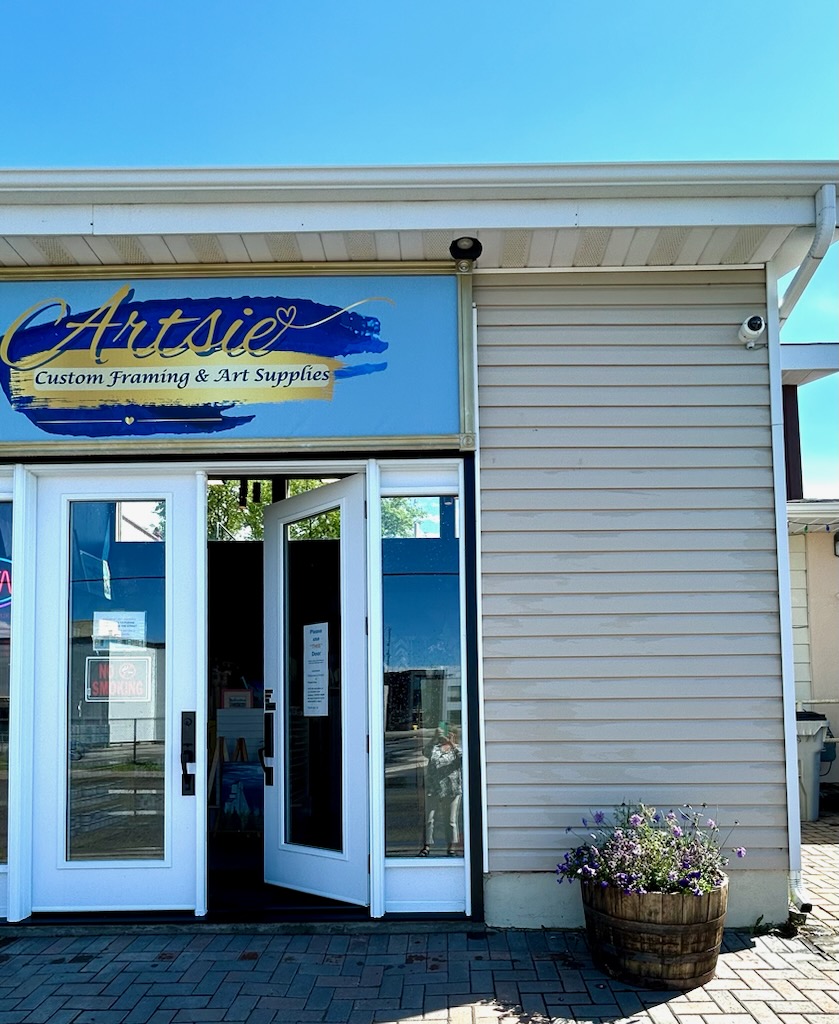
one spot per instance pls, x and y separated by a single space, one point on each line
751 329
464 251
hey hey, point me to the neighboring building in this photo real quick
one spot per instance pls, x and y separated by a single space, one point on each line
814 561
543 567
813 526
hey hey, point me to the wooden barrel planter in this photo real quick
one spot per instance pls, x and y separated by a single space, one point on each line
657 940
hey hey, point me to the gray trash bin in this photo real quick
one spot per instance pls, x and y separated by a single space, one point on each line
811 728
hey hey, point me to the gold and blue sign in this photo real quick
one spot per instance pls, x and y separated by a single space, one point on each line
261 359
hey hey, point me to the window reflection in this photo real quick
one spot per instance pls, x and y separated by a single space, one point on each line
116 684
5 633
422 679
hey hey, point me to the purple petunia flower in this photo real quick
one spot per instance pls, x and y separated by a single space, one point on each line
642 850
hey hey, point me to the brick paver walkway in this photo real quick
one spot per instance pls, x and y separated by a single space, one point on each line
439 976
263 976
820 868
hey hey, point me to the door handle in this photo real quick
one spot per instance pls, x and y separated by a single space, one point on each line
267 748
187 752
268 733
267 769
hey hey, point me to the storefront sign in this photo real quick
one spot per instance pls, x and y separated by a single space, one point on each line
118 678
260 358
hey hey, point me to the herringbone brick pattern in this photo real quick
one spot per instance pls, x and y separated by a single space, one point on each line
263 976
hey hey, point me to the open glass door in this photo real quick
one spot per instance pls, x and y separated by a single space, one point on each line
118 784
315 751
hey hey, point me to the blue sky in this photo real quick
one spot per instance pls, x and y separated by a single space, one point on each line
329 82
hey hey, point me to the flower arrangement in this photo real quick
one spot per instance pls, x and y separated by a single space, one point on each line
644 850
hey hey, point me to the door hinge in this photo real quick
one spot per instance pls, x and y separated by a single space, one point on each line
368 863
366 626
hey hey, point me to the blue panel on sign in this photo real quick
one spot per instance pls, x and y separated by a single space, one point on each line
260 358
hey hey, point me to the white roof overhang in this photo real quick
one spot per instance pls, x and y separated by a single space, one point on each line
812 516
804 362
526 216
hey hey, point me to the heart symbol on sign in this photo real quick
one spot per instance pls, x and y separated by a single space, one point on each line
129 420
286 315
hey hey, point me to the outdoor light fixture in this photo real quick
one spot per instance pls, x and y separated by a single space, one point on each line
836 544
464 251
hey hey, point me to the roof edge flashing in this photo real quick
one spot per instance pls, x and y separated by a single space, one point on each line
788 178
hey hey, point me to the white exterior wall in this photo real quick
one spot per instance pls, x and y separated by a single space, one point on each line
631 643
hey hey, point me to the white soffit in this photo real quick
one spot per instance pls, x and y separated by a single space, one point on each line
813 516
802 363
527 216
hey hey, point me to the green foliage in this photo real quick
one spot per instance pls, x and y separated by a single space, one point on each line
400 516
226 520
326 526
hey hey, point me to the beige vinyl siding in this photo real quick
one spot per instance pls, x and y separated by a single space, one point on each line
629 571
800 619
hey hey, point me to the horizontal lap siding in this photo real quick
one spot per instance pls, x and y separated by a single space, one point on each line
800 617
629 571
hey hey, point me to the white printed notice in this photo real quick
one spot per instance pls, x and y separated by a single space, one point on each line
119 631
316 670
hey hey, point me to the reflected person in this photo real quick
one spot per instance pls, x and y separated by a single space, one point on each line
443 791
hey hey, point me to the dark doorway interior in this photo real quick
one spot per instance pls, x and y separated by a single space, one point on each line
236 796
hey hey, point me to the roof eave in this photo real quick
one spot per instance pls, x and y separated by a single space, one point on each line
416 183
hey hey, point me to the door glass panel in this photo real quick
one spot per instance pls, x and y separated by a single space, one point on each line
422 683
314 750
116 681
5 633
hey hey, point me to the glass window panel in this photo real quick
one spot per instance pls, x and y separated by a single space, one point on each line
5 633
314 751
117 681
422 683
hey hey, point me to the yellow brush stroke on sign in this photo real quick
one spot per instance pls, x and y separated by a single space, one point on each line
71 381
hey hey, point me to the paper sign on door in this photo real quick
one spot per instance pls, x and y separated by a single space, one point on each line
119 630
316 670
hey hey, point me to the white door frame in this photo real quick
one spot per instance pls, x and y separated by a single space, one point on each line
340 875
21 697
22 753
400 884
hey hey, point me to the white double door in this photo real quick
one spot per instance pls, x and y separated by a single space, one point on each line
119 695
